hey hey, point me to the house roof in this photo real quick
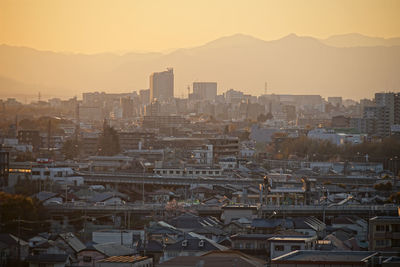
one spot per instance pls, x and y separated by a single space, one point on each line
47 258
251 236
11 240
319 257
100 197
152 246
44 195
72 241
271 223
192 241
124 259
113 249
191 221
216 259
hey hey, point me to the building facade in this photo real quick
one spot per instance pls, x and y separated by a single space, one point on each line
162 85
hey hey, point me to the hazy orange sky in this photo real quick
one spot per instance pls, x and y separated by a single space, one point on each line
92 26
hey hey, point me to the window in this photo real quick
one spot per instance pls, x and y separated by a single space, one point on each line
171 172
216 172
380 228
178 172
47 173
293 248
210 172
159 172
197 172
36 173
395 243
279 248
395 227
164 172
249 245
380 243
190 172
204 172
261 245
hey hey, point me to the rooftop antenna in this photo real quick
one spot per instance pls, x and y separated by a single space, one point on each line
78 123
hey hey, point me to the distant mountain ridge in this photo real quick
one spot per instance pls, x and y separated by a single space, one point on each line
359 40
292 64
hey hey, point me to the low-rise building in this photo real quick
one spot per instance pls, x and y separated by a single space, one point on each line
384 233
282 245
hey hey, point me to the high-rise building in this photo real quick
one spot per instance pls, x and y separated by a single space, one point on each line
335 100
386 100
162 85
144 96
205 90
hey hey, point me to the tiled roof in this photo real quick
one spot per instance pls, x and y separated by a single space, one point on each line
123 259
47 258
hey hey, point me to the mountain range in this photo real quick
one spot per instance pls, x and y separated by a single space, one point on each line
352 65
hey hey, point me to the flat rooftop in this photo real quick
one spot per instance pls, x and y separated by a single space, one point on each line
321 257
385 218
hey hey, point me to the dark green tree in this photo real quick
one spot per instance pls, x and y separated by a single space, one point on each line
71 149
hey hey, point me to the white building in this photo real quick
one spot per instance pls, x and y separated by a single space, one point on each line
283 245
335 138
62 175
203 156
228 163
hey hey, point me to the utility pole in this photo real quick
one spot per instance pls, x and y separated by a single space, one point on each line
19 243
49 135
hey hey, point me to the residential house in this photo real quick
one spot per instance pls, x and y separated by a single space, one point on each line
281 245
191 245
235 212
90 255
12 249
48 260
252 244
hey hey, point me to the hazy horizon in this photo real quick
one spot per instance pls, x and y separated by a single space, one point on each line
173 49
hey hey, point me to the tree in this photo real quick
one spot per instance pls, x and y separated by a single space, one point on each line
71 149
261 118
264 117
384 186
108 142
395 198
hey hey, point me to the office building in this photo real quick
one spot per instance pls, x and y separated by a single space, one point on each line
162 85
205 90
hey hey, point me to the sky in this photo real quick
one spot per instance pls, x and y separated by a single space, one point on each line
94 26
